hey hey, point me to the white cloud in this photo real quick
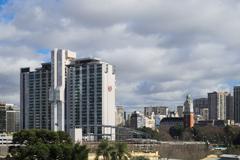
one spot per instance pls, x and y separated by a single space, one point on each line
162 49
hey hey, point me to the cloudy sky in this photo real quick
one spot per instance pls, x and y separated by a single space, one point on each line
162 49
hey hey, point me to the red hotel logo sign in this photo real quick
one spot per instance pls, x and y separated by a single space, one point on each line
109 88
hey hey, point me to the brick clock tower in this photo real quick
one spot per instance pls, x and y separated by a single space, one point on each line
188 119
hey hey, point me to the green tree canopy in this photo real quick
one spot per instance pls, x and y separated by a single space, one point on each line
46 145
28 137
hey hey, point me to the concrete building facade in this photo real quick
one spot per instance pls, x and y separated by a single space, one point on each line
35 107
9 118
217 105
180 111
199 104
120 116
236 96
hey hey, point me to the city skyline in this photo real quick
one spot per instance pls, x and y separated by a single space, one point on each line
160 54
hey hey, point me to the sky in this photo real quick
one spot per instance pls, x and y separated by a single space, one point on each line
162 49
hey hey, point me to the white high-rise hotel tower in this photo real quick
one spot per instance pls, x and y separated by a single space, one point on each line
60 59
70 93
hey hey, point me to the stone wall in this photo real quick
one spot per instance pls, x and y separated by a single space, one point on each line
178 150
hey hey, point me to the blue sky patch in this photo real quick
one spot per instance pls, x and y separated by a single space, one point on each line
233 82
7 18
2 2
43 51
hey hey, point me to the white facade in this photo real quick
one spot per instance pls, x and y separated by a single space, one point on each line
143 121
6 139
108 99
76 135
60 58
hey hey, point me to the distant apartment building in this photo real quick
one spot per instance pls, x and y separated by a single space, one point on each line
120 116
236 104
217 102
200 107
180 111
199 104
158 110
70 93
9 118
204 114
138 120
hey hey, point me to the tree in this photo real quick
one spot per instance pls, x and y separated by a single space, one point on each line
233 150
29 137
44 144
105 150
120 151
38 151
187 135
232 133
80 152
176 131
160 134
210 133
55 152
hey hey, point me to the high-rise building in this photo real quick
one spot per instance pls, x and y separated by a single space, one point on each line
9 118
35 107
237 104
70 93
90 97
229 107
217 102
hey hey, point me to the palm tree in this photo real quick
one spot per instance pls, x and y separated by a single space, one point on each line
121 151
105 150
80 152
